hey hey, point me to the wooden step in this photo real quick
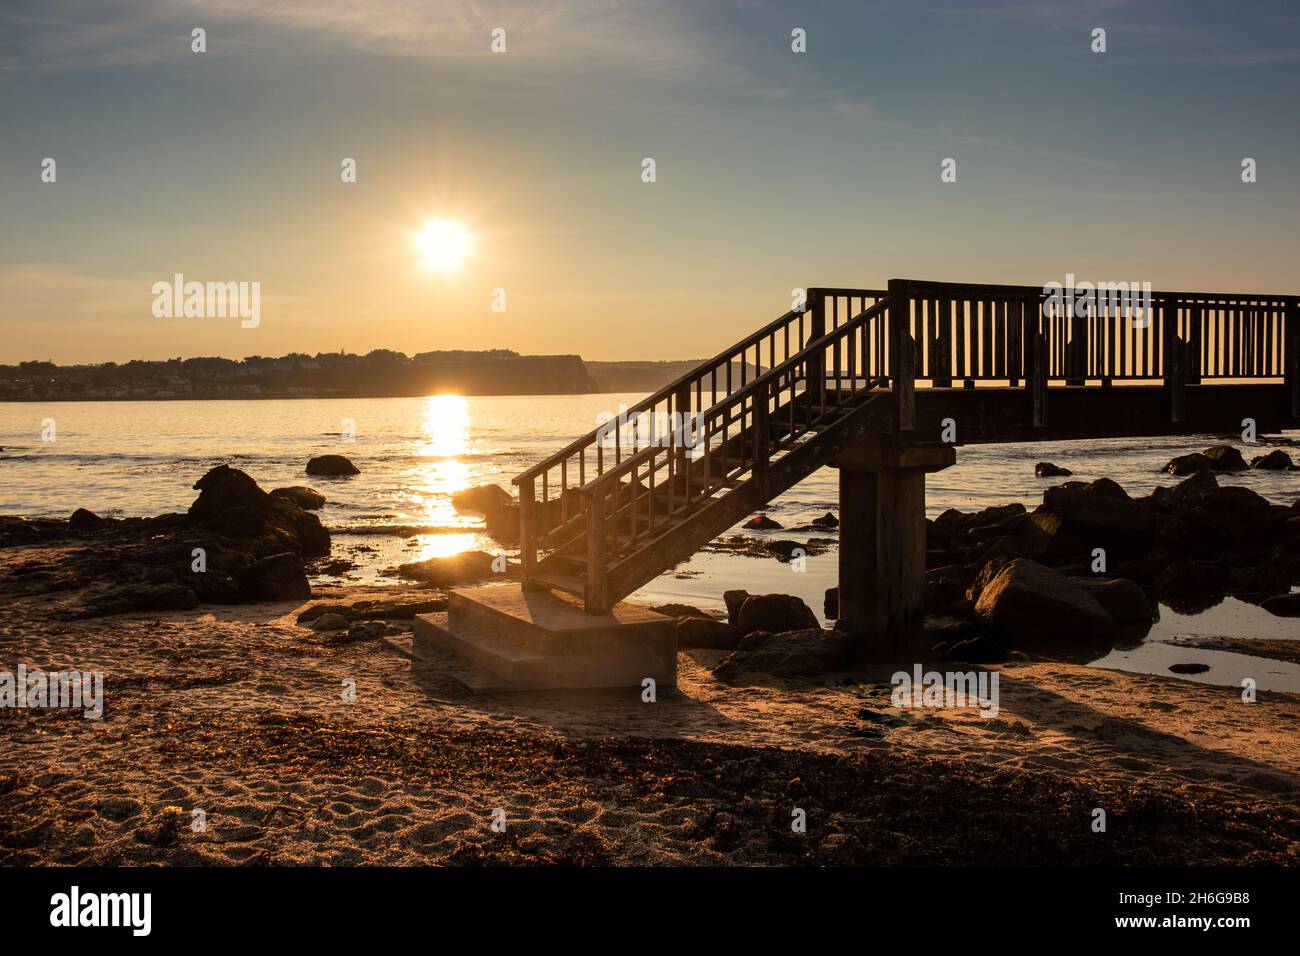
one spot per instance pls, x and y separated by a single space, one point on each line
728 483
557 580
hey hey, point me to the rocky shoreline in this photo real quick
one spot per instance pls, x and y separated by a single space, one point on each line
1080 573
237 544
1083 572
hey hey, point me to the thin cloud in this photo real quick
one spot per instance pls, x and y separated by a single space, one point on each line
653 36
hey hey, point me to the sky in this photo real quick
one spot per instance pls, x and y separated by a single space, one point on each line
774 169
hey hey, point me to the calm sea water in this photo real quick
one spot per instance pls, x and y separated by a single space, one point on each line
141 458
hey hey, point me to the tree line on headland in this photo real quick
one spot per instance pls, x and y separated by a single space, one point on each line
381 373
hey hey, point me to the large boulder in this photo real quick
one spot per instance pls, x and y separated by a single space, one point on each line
1053 540
1045 469
218 587
1077 517
991 523
278 577
1232 516
831 603
223 488
1190 587
1276 460
1225 458
308 499
800 653
1187 493
1032 607
761 523
83 519
482 498
943 588
331 466
785 549
231 503
456 569
1124 601
244 522
1007 546
696 629
734 600
1187 464
775 613
981 575
1099 504
1288 529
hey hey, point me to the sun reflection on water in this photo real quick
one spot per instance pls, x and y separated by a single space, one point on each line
445 545
441 472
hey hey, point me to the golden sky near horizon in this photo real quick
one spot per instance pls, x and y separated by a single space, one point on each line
774 169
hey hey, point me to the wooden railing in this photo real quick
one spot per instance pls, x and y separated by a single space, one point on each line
980 332
968 334
550 504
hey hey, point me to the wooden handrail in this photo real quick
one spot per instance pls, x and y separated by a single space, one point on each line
951 288
739 396
696 374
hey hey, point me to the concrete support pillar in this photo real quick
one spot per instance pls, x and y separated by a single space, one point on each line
882 543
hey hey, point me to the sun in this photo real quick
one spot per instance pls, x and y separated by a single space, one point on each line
443 244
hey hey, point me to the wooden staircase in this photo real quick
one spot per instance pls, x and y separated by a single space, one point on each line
650 487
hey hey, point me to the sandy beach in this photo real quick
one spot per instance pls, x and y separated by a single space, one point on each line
239 712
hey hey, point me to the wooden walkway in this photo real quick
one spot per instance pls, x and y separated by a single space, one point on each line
881 383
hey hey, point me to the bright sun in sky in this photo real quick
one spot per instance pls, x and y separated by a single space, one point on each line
443 244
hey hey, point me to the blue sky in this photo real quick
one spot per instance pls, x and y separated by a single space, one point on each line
775 169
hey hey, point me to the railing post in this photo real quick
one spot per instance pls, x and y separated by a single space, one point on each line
1017 309
942 361
1195 321
1292 355
1174 361
762 439
680 430
596 597
902 356
1076 350
527 529
816 329
1036 380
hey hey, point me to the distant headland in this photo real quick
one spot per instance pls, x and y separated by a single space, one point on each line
381 373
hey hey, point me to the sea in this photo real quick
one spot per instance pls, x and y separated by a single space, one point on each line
142 458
